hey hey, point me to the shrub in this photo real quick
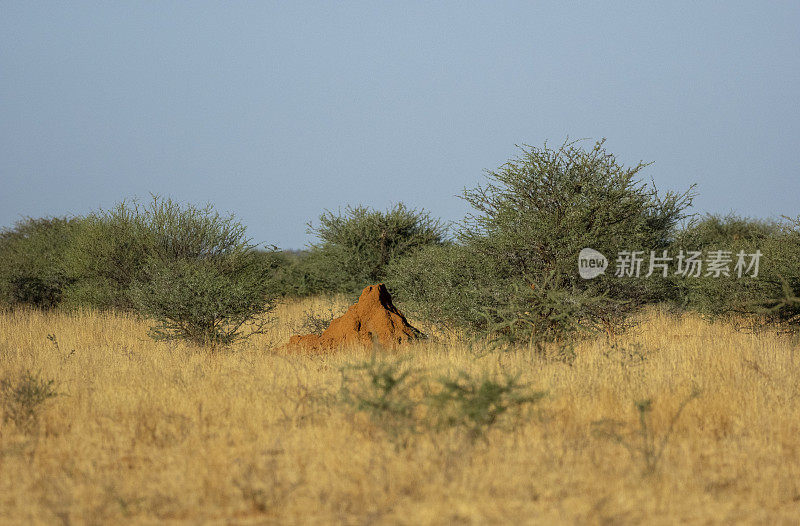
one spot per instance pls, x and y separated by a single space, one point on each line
718 231
384 390
538 211
209 301
478 403
22 396
355 247
515 268
189 268
642 443
404 400
441 284
285 270
32 269
107 255
113 248
316 272
780 277
779 244
548 312
449 287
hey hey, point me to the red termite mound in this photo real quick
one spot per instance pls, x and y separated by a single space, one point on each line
372 320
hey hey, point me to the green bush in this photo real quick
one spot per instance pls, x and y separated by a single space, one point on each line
404 400
785 307
713 230
107 255
209 301
384 389
514 275
32 266
315 271
478 403
189 268
538 211
22 396
285 276
781 272
441 284
779 244
355 247
113 248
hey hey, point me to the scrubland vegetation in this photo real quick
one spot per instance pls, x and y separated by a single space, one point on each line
148 432
143 378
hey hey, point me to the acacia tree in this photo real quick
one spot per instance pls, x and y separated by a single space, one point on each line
32 266
355 247
519 247
540 209
778 245
190 269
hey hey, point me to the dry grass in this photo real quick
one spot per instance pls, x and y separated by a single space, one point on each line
154 433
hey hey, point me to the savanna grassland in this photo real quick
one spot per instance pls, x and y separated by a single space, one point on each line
146 432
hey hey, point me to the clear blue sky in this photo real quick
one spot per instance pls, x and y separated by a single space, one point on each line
276 111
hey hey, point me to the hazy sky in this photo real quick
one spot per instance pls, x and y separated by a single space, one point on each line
276 111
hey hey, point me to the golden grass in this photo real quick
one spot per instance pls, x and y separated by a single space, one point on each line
153 433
